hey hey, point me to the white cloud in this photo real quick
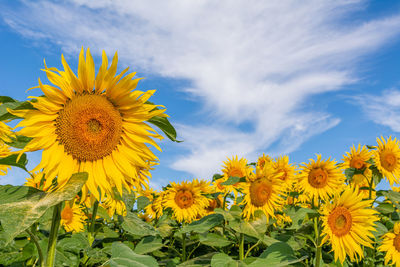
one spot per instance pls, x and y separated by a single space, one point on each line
249 62
382 109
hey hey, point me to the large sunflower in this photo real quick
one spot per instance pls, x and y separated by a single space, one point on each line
348 222
186 201
387 159
93 124
391 245
262 192
320 179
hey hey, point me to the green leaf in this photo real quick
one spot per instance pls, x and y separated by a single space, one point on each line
203 260
277 254
148 244
223 260
122 255
142 202
5 99
298 215
74 244
204 224
164 125
134 225
129 199
21 206
256 228
214 240
12 161
232 180
16 105
19 142
385 208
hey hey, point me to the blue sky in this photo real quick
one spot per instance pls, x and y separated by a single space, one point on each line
237 77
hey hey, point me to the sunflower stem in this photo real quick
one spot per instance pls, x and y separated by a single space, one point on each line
241 247
55 224
183 247
36 242
91 233
370 187
318 253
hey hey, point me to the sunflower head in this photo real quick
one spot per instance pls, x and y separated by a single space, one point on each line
391 245
186 201
286 171
348 222
387 159
357 158
72 218
92 123
263 192
320 179
263 160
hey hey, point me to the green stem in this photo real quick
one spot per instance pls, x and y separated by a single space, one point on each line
370 187
241 247
91 233
251 248
36 242
183 247
55 224
318 253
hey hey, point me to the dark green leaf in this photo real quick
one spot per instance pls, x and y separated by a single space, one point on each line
12 161
385 208
223 260
5 99
215 240
164 125
231 180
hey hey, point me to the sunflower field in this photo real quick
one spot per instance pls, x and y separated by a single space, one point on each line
88 202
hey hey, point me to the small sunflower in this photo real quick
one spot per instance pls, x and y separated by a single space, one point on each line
94 124
347 224
114 206
286 171
205 187
235 168
186 201
320 179
263 160
387 159
150 209
72 218
262 192
391 245
36 181
357 158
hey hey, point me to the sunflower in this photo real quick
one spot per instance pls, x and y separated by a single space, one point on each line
36 181
347 224
263 160
320 179
186 201
114 206
285 170
203 185
262 192
72 218
4 152
150 209
5 132
391 245
91 124
235 168
387 159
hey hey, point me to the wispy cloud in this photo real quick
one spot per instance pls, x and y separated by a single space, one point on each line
251 63
382 109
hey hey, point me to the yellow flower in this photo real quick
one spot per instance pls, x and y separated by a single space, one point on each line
36 181
72 218
263 160
4 152
235 168
357 158
150 209
391 245
5 132
387 159
93 124
186 201
285 170
347 224
262 192
203 185
114 206
320 179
